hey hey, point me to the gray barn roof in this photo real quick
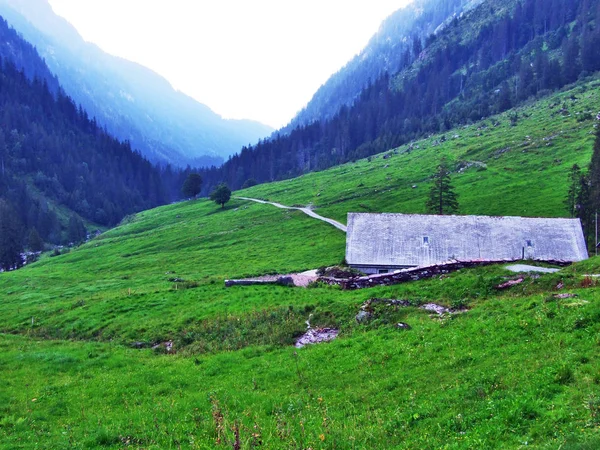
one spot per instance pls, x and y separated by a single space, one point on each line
401 240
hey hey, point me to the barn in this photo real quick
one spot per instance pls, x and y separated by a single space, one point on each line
380 243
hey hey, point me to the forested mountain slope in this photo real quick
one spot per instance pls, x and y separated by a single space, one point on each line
398 42
133 102
496 56
25 56
149 348
57 165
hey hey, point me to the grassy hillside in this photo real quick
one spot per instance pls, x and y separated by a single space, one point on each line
512 164
520 368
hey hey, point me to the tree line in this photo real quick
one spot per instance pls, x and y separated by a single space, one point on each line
61 174
583 196
532 49
59 169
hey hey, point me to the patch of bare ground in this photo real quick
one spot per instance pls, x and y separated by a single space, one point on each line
302 279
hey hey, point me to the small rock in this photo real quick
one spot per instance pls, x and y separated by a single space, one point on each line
363 316
510 283
565 295
403 326
139 344
167 346
286 281
433 307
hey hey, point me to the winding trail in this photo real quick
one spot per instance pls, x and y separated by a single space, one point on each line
307 211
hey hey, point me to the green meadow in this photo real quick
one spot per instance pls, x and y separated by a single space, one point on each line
515 163
519 369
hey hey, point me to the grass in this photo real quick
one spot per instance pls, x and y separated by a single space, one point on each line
502 167
520 368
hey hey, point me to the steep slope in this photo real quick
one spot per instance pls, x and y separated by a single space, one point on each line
498 55
517 366
57 165
25 56
133 102
515 163
392 48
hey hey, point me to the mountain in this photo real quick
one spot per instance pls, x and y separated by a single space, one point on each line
58 167
132 340
134 103
392 48
496 56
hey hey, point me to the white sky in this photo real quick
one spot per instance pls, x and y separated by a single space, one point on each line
250 59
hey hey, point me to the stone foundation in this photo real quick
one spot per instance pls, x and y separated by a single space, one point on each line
415 274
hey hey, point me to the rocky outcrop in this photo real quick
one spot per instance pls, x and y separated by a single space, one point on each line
316 336
414 274
281 281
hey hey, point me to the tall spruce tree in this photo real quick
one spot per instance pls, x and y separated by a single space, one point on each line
11 239
442 198
594 174
574 192
34 241
594 186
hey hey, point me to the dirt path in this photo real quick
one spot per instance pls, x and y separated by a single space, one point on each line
307 211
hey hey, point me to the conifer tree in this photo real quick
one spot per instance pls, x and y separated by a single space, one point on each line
11 244
192 185
35 242
442 198
573 194
594 175
76 231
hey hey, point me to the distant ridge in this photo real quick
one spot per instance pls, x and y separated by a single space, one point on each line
134 103
389 50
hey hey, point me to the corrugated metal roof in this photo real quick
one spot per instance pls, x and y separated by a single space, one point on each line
414 240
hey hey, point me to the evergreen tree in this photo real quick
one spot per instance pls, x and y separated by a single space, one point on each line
442 198
35 242
221 195
192 185
249 183
571 63
76 231
594 175
590 51
585 211
11 244
573 194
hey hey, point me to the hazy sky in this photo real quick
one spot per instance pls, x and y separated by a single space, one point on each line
252 59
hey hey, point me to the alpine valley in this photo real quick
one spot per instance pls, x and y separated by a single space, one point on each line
121 331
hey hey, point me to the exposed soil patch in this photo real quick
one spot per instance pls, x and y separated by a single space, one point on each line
302 279
366 312
316 335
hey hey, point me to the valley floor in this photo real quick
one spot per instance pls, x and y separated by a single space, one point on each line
520 368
